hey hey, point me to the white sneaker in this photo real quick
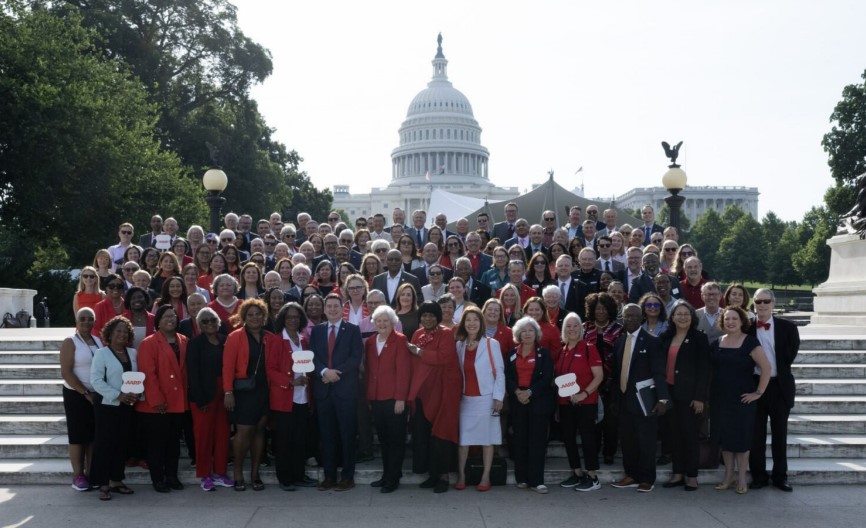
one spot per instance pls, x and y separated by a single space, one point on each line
541 488
522 485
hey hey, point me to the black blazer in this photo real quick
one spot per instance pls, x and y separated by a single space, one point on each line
421 274
692 369
647 361
348 351
380 282
542 380
787 344
479 292
203 368
644 284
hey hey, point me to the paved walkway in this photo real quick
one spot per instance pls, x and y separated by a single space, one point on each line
808 506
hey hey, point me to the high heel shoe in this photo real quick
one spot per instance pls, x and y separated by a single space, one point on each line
722 486
742 490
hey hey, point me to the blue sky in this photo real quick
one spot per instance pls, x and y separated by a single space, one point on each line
748 86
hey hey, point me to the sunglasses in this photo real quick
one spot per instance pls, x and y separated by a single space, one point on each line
289 235
211 241
549 219
114 286
270 244
670 250
360 225
88 276
126 232
333 219
209 320
763 301
258 262
687 254
653 305
381 250
227 240
604 245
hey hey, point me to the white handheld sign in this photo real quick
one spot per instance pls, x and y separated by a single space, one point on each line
567 384
133 382
302 361
162 242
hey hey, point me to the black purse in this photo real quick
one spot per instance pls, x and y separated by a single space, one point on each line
249 384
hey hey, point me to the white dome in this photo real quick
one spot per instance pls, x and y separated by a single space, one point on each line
439 97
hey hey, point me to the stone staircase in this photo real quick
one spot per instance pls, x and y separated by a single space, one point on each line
826 440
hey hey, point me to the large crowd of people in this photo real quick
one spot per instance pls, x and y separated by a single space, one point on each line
452 339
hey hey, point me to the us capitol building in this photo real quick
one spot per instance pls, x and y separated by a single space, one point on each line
440 144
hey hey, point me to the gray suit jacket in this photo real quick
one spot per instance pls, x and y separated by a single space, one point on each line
713 332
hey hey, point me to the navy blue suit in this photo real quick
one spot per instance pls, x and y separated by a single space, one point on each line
337 403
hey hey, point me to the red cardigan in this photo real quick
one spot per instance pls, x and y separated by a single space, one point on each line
278 365
437 381
165 378
388 375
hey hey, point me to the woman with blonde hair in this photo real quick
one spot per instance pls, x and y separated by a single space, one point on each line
89 293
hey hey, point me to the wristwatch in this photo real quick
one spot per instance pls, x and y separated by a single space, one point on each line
227 393
663 402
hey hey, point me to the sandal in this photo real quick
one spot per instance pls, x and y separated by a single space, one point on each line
258 485
122 489
105 493
240 485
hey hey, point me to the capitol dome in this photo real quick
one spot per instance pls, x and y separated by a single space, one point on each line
440 140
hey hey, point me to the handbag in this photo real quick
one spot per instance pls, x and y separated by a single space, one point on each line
249 384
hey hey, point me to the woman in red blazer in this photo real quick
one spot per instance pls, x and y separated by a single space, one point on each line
162 359
289 396
245 357
388 367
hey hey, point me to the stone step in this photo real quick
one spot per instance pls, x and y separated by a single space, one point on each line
34 387
31 371
32 424
828 343
803 471
830 387
828 370
9 342
830 356
824 424
31 405
830 405
29 356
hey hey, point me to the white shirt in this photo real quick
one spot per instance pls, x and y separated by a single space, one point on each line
355 316
116 251
393 284
300 393
768 343
631 356
602 262
380 345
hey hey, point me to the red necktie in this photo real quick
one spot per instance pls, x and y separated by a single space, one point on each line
765 326
332 338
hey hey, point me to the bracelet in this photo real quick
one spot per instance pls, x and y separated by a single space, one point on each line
586 392
228 393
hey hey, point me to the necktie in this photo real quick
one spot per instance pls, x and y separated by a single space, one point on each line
626 363
510 230
765 326
332 338
563 289
420 242
607 266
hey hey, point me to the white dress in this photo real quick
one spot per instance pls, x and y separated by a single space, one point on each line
478 424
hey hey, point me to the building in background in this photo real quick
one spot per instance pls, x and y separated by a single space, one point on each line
699 199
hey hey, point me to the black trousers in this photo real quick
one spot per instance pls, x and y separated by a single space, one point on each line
530 442
338 424
365 424
574 419
770 405
162 435
607 432
112 436
638 435
683 429
290 443
391 429
430 454
188 434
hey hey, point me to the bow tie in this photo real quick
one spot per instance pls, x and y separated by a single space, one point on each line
765 326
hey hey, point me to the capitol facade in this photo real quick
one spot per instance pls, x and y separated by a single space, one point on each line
440 144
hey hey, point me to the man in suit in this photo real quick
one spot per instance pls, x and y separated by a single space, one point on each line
592 214
588 235
476 291
644 282
521 234
505 230
389 281
569 301
587 277
337 352
482 222
708 316
148 239
481 262
605 261
418 231
441 222
430 254
638 356
300 277
536 242
329 245
780 340
649 226
634 256
398 217
574 225
609 216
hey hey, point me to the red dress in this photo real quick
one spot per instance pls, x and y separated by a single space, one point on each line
437 381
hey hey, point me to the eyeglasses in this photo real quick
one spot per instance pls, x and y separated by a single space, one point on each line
209 320
85 319
381 250
88 276
549 219
114 286
270 244
763 301
126 232
360 225
211 241
540 262
653 305
453 245
687 254
355 288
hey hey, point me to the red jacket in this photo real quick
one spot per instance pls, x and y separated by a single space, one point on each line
103 312
236 356
278 365
165 378
551 339
389 374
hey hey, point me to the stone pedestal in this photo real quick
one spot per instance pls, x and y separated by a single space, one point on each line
13 299
842 299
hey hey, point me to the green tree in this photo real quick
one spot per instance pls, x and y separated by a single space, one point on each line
705 236
664 219
812 259
77 150
780 270
845 144
743 252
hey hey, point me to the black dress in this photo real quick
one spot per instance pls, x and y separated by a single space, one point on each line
733 422
251 406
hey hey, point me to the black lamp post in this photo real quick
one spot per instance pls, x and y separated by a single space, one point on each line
215 182
674 180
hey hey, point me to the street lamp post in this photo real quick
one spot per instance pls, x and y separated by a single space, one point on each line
215 182
674 180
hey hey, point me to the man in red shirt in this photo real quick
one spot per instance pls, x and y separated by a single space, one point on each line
694 281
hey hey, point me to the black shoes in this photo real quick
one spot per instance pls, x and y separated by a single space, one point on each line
663 460
378 483
430 482
161 487
758 484
783 485
441 486
390 487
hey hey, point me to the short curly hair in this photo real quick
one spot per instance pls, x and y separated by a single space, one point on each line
109 327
